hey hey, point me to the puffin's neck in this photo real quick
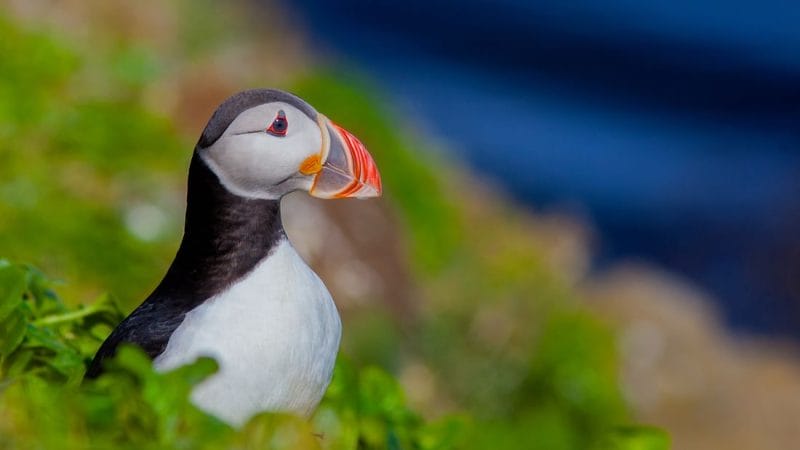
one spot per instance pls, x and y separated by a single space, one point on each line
225 236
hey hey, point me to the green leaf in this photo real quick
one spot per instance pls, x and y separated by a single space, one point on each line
12 287
446 433
278 431
12 332
132 359
640 438
17 363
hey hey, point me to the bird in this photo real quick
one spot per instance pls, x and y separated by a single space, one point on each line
237 291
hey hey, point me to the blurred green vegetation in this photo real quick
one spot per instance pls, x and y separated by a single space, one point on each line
512 352
69 158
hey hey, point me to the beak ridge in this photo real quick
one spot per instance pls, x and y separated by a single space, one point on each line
348 170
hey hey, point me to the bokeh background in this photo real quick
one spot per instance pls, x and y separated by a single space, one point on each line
590 215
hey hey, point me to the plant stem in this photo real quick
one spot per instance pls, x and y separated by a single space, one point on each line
66 317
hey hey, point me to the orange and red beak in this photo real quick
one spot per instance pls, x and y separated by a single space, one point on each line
347 169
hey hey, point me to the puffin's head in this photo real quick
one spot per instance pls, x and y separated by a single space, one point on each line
265 143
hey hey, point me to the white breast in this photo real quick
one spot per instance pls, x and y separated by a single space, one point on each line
275 334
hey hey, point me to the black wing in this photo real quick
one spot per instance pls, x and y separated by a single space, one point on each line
149 326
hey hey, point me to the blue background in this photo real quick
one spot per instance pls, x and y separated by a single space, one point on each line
674 126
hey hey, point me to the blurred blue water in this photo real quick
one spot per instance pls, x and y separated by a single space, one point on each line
675 126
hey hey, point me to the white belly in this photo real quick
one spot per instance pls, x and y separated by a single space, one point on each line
275 335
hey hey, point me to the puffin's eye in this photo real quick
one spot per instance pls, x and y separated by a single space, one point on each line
279 126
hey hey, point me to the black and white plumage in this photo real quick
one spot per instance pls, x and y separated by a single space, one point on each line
237 291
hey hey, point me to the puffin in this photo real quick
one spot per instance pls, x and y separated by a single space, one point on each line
237 291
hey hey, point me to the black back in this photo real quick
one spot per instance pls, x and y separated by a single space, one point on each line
225 236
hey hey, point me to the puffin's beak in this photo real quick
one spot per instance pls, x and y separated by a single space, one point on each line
347 169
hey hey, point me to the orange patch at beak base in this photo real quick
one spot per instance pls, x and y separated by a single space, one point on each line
311 165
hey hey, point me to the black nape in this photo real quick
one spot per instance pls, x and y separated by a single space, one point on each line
225 237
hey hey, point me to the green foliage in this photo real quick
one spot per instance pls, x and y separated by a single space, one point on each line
366 409
573 366
639 438
45 348
33 68
42 336
71 155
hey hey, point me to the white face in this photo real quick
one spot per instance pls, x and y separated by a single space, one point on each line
251 161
